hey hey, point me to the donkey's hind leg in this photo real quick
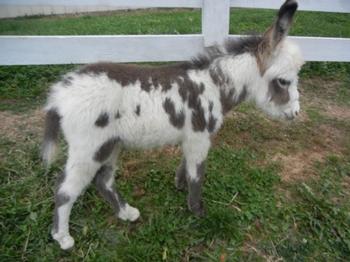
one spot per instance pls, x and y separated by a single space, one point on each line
105 183
73 181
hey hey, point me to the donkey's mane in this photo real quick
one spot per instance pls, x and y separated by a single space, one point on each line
231 47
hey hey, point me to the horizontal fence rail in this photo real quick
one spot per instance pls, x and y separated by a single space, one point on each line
339 6
117 3
87 49
34 50
13 8
37 50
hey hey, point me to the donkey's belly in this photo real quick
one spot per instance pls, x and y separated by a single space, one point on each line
148 132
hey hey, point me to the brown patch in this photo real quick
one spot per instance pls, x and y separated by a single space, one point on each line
227 100
338 112
204 60
218 76
198 118
212 120
346 182
176 119
18 127
242 96
244 45
301 165
105 150
298 166
138 110
279 95
331 139
126 74
263 54
52 126
194 91
117 115
102 120
211 123
190 92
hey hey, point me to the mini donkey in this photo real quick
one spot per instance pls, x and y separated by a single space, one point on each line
104 107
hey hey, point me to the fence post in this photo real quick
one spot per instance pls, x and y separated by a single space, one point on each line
215 21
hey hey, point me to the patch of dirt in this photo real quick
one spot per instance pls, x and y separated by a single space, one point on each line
338 112
333 139
299 166
346 183
21 127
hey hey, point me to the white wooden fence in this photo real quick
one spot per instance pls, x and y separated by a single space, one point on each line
30 50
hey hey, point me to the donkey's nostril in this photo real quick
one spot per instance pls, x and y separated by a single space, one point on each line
296 113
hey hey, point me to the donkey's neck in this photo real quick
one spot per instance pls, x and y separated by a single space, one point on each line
234 76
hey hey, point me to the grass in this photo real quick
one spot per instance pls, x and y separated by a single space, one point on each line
261 207
172 22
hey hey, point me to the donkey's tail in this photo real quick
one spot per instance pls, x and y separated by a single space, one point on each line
52 128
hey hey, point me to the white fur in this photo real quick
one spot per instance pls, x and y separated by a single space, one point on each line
129 213
65 241
49 152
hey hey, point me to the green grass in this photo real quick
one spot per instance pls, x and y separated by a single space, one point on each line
172 22
23 87
253 212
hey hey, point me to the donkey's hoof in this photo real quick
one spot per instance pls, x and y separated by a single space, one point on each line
199 212
129 213
180 184
197 209
66 241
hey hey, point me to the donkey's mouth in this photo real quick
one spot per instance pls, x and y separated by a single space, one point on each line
289 117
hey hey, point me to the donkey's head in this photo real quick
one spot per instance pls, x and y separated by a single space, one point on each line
274 89
279 62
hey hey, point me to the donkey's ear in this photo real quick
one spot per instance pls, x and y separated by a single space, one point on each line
280 28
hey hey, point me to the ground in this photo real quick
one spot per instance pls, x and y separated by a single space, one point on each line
275 191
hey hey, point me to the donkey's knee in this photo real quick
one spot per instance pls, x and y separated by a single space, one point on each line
104 181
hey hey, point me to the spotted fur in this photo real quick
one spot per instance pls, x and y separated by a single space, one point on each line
104 107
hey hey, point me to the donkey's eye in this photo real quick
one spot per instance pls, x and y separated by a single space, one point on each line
283 82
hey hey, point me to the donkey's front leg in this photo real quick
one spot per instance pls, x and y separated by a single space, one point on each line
195 152
180 178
